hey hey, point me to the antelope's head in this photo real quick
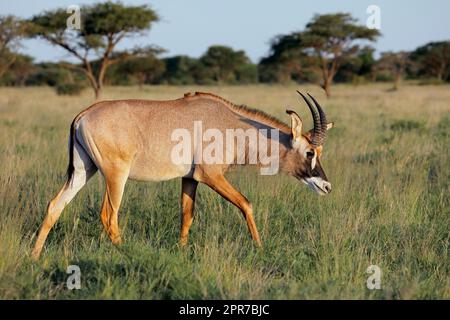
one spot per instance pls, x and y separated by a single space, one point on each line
303 158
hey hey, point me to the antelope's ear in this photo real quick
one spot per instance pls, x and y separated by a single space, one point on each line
296 125
330 125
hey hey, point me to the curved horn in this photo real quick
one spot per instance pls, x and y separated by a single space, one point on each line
323 119
317 124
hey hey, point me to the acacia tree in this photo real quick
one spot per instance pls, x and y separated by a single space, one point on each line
326 43
332 38
104 25
19 71
11 31
433 59
396 64
358 67
286 59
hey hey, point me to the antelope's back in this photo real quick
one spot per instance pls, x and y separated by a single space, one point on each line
145 133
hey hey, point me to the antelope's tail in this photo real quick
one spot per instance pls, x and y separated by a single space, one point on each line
70 167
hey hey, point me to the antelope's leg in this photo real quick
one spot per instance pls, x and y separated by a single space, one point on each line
188 189
226 190
115 185
56 206
84 169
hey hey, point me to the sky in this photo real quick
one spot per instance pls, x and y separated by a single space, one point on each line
191 26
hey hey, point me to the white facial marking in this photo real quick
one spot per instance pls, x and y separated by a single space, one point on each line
313 162
303 148
317 184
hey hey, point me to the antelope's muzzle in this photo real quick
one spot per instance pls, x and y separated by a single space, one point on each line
319 185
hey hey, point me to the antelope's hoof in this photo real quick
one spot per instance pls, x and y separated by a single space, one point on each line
183 242
116 240
35 254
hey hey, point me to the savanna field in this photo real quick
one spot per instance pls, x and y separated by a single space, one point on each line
387 158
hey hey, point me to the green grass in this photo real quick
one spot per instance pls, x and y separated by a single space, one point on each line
388 160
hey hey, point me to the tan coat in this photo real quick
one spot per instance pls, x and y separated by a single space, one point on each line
132 139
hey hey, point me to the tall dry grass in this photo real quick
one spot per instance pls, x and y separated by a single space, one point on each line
387 158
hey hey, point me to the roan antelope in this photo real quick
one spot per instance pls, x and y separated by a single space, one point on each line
131 139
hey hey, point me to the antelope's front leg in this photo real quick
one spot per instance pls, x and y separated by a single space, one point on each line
188 190
219 184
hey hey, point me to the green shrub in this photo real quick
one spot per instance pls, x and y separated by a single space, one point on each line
71 89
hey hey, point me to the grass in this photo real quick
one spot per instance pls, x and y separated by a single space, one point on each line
387 157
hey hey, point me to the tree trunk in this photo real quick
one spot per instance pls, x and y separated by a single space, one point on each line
6 66
97 92
373 76
328 72
326 86
100 78
95 86
93 81
397 82
2 71
141 80
439 75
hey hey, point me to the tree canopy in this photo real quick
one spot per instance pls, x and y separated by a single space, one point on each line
331 38
433 59
396 63
223 62
104 25
327 41
331 48
286 60
11 31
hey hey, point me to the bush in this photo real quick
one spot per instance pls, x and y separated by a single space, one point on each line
247 73
70 89
49 74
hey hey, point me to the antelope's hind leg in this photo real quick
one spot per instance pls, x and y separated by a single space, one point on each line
115 179
188 190
84 169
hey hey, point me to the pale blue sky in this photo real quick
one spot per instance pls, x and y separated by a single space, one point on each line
190 26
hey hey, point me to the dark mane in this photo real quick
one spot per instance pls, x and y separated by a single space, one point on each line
251 113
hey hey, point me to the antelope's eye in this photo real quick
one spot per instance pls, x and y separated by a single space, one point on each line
310 154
